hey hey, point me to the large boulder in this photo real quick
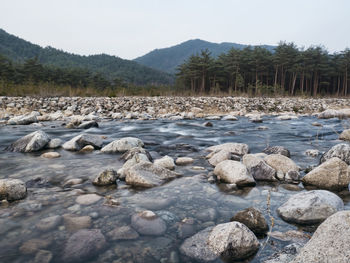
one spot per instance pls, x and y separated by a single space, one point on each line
258 168
80 141
331 175
284 166
233 241
330 242
24 119
148 223
253 219
342 151
12 189
310 207
234 148
277 150
83 245
234 172
122 145
146 174
196 247
32 142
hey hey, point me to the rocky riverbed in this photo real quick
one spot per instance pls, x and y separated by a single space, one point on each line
174 180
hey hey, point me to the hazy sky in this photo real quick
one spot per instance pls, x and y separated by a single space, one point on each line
131 28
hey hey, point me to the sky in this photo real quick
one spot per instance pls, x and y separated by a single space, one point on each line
132 28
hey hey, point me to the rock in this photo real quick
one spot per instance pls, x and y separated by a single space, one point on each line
253 219
234 172
50 155
32 142
148 223
255 118
310 207
88 199
186 228
217 157
87 149
206 215
330 113
286 255
233 241
83 245
285 165
184 161
333 174
342 151
54 143
312 152
330 242
78 142
137 158
316 124
291 235
12 189
229 118
23 119
107 177
286 117
133 151
122 145
88 125
257 167
196 247
166 162
234 148
73 181
277 150
263 128
43 256
49 223
74 223
123 233
33 245
213 118
208 124
145 174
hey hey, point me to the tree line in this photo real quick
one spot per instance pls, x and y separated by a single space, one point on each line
287 70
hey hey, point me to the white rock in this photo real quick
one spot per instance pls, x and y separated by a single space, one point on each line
166 162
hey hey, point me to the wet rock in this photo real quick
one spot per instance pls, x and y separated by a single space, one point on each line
277 150
208 124
33 245
88 199
342 151
234 148
196 247
330 242
122 145
316 124
283 165
214 158
122 233
78 142
87 149
233 241
107 177
88 125
186 228
12 189
312 152
229 118
330 113
291 235
54 143
83 245
333 174
50 155
43 256
73 181
184 161
253 219
257 167
74 223
49 223
136 159
286 255
148 223
24 119
205 215
134 151
166 162
32 142
146 174
310 207
234 172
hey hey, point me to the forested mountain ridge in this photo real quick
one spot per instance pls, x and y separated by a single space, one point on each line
168 59
111 67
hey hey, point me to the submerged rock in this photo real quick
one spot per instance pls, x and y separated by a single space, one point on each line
234 172
310 207
88 199
333 174
122 145
123 233
80 141
148 223
342 151
50 155
32 142
12 189
330 242
107 177
83 245
233 241
253 219
49 223
74 223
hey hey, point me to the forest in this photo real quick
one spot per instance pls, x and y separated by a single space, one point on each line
256 71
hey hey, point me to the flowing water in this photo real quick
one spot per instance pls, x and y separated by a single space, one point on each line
190 196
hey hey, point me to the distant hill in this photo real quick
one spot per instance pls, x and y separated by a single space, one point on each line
167 59
110 67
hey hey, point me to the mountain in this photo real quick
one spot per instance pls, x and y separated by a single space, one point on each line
110 67
168 59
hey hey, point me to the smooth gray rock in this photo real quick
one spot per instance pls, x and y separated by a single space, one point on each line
330 242
342 151
148 223
80 141
12 189
83 245
310 207
32 142
122 145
